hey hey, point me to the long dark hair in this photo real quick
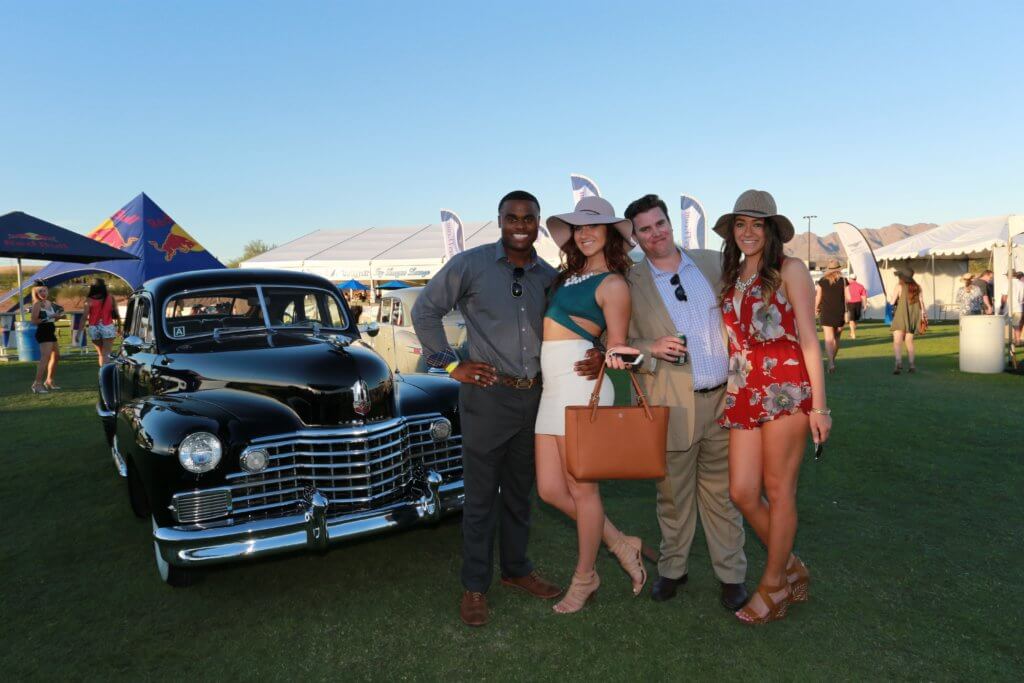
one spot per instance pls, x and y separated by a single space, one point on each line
912 289
771 260
97 290
574 261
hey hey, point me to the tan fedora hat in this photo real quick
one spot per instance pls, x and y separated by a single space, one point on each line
589 211
833 264
757 204
967 277
904 273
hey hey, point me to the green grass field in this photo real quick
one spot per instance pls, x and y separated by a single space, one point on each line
910 525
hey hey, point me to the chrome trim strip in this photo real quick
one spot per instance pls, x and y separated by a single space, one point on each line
103 412
119 463
361 430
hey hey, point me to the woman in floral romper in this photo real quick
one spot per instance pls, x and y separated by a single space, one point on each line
776 391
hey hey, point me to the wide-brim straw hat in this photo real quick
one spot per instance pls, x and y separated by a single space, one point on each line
589 211
756 204
833 264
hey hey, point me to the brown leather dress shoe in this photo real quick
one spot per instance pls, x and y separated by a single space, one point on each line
473 609
534 584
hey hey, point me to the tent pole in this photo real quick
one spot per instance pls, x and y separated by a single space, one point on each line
935 315
21 302
373 289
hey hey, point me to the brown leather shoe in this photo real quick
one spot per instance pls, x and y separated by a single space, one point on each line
473 609
534 584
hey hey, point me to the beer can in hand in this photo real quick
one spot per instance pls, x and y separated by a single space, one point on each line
685 358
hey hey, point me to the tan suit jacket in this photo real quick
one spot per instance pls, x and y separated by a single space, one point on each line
665 383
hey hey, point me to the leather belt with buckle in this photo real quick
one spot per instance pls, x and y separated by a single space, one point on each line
708 391
518 382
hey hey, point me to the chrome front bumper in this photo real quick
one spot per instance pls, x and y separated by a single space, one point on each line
315 528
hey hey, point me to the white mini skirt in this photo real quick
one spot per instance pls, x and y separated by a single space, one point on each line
562 386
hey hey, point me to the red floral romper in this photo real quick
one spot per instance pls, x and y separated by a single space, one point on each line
767 376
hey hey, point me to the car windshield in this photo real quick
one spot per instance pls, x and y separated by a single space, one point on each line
194 314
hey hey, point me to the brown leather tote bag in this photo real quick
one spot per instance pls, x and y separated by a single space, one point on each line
616 442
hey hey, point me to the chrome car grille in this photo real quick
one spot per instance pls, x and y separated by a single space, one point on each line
358 468
199 506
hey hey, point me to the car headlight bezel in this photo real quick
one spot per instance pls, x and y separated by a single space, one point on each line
254 460
200 452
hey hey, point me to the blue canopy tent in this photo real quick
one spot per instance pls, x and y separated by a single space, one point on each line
25 236
353 284
154 244
394 284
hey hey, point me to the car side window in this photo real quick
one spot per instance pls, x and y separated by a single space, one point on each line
143 327
129 316
398 316
385 310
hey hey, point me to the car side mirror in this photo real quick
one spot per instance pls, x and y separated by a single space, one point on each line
135 344
371 329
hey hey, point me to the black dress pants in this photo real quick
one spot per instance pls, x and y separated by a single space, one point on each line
498 471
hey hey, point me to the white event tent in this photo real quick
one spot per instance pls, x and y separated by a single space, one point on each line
944 253
378 254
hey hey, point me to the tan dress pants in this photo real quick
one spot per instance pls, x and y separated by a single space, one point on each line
698 479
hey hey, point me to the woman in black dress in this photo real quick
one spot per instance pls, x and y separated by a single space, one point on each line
44 314
830 300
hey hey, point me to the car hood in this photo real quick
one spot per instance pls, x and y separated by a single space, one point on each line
315 379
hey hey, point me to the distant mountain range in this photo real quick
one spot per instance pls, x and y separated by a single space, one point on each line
829 246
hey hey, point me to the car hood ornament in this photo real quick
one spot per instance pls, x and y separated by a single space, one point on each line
360 398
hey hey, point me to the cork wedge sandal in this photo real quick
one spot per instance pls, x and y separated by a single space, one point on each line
776 610
799 580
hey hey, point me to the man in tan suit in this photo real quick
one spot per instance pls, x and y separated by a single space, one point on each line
675 292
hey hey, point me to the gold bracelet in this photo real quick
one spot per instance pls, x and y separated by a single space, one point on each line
821 411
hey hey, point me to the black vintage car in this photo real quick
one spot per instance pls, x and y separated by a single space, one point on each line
249 418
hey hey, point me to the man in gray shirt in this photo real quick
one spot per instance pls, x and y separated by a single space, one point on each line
501 290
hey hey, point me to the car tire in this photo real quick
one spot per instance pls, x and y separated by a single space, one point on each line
137 494
175 577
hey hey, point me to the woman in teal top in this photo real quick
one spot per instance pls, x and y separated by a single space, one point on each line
591 297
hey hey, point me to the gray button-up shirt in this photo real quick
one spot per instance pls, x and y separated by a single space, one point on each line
502 330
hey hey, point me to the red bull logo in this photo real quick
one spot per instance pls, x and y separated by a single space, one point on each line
32 237
177 242
123 216
161 222
111 236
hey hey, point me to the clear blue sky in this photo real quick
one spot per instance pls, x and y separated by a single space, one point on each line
248 120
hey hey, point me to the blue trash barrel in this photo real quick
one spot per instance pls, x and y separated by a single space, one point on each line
28 347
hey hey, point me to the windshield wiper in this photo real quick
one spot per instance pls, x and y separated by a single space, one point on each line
221 332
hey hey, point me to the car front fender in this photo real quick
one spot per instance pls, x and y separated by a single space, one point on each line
149 432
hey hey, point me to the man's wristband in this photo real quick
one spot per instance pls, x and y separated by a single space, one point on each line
451 366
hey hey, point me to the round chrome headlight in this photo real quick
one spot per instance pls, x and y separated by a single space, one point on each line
199 452
255 460
440 429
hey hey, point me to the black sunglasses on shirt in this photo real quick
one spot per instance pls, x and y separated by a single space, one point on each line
517 286
680 292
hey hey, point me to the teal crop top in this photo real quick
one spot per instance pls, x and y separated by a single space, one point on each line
578 301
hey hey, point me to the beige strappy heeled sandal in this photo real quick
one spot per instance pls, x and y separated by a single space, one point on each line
628 551
581 591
